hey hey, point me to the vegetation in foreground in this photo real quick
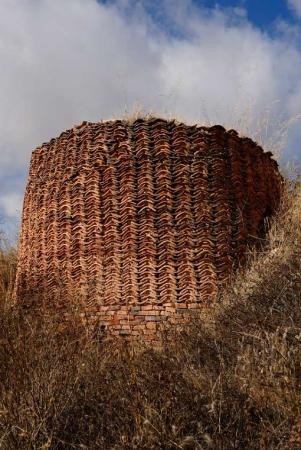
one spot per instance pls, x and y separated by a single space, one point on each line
230 381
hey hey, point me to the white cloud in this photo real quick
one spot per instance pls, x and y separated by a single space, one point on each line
11 204
64 61
296 5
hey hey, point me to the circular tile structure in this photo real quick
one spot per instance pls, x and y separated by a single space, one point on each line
144 220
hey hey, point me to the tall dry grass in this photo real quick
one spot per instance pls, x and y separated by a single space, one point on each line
232 380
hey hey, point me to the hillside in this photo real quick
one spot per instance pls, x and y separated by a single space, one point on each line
229 381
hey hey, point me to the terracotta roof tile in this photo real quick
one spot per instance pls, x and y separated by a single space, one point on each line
152 212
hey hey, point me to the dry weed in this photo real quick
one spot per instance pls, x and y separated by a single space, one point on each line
229 381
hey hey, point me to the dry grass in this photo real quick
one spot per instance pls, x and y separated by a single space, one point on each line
269 128
230 381
8 261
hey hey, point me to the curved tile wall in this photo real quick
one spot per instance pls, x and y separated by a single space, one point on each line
144 220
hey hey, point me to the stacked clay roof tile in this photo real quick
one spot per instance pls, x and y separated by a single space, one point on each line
142 216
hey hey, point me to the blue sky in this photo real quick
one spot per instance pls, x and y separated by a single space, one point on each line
263 13
237 63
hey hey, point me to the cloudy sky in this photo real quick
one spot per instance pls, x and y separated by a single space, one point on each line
64 61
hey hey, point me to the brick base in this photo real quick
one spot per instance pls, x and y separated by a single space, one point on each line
140 322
